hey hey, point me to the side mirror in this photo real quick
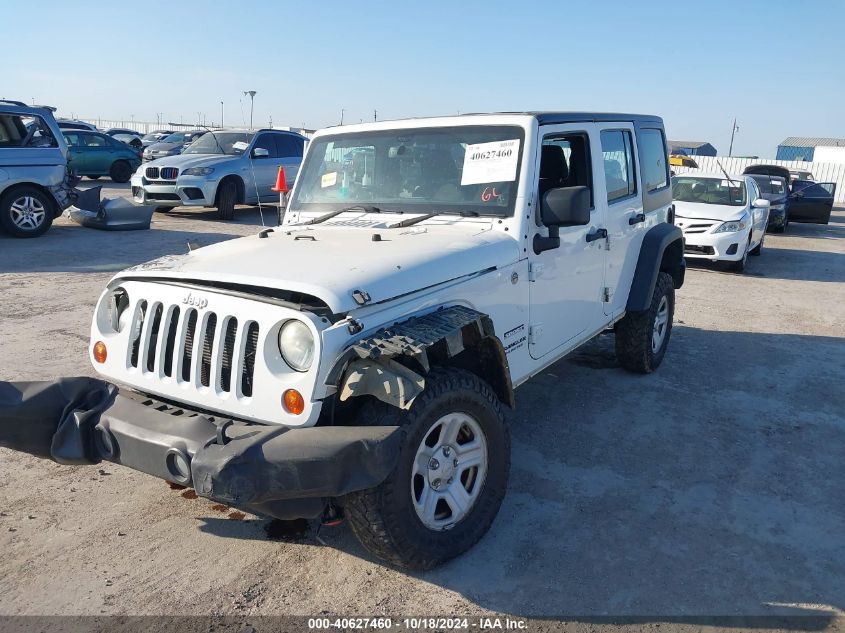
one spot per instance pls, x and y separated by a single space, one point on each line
564 206
760 203
260 152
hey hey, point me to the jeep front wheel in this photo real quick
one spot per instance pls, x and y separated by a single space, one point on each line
642 337
450 477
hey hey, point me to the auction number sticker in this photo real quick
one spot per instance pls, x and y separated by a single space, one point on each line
490 162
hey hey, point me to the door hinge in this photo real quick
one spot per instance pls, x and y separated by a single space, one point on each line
535 270
606 294
535 333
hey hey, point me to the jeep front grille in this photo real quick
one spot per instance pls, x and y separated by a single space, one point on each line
200 349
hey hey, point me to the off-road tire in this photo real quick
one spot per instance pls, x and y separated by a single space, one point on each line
120 171
14 194
227 195
634 331
384 519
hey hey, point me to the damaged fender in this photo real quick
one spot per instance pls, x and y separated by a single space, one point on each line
370 367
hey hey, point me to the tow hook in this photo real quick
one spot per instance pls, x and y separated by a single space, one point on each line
332 515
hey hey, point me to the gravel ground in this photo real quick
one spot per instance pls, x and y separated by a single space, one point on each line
713 487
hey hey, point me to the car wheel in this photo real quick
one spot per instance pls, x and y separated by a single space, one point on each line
92 177
759 248
449 480
227 195
642 337
120 171
26 212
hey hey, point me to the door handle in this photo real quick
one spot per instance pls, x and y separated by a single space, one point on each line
636 219
598 234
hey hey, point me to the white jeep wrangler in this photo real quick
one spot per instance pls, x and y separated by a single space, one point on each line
356 359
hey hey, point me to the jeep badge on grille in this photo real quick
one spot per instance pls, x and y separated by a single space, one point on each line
197 302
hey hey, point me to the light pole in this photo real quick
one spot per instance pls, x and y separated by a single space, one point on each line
251 94
342 110
733 131
221 114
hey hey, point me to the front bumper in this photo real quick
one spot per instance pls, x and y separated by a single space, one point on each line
272 470
191 191
777 217
715 246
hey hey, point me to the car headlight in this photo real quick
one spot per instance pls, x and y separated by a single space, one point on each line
198 171
296 344
733 226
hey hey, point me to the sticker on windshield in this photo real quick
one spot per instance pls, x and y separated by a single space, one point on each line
490 162
240 145
328 180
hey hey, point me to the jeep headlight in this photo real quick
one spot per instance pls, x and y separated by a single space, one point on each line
733 226
118 302
296 344
198 171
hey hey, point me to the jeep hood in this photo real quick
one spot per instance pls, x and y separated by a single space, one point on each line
330 263
702 211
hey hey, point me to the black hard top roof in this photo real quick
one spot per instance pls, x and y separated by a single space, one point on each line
550 118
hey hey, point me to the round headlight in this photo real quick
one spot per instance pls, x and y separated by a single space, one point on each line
296 345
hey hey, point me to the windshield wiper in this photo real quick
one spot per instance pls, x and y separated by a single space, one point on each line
411 221
331 214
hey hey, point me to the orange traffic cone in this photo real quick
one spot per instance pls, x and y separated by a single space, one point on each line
281 183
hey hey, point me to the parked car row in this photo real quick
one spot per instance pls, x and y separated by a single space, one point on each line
725 217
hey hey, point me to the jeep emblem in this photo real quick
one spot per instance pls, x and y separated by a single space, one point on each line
197 302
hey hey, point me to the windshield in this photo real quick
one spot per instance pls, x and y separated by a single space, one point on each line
231 143
709 191
176 137
466 169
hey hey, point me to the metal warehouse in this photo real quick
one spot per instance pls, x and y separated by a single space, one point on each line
807 148
692 148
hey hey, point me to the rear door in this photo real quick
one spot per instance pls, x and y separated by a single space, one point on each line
811 201
290 150
625 217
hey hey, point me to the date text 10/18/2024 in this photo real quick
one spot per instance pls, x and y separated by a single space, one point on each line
421 623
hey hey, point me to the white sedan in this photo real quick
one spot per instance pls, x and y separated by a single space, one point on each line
723 218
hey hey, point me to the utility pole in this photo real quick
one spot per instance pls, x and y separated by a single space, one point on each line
342 110
251 94
734 129
221 114
375 115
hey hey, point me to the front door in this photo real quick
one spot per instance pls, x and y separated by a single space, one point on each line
265 169
811 201
566 283
99 153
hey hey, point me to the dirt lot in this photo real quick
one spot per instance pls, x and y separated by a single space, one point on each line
714 487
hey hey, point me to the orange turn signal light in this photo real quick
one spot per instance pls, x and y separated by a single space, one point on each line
100 352
293 401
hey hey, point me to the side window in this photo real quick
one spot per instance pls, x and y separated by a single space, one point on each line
653 159
267 142
618 154
565 162
289 146
95 140
72 139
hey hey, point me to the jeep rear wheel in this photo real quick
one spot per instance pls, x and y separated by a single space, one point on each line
26 212
642 337
449 480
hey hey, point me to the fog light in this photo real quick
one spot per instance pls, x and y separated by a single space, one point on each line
293 401
100 352
179 466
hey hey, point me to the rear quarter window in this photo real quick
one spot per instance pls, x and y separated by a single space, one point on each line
653 161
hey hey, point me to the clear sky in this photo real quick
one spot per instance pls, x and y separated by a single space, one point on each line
777 66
